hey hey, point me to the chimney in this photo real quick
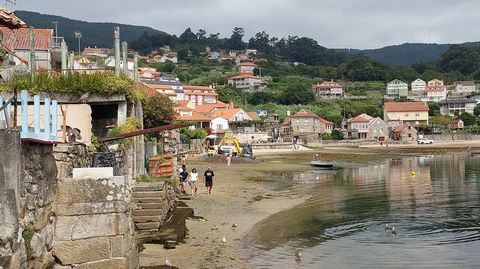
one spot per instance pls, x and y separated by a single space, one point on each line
231 105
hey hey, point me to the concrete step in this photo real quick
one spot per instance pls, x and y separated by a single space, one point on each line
148 212
147 226
148 200
143 219
148 187
148 194
150 205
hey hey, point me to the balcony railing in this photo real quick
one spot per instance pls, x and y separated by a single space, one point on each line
56 42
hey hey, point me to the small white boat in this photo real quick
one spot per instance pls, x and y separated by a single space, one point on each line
324 164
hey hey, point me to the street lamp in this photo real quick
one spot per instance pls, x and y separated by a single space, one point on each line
78 35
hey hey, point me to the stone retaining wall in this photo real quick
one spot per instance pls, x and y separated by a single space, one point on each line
94 226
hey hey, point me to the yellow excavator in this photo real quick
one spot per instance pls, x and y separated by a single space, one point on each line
230 145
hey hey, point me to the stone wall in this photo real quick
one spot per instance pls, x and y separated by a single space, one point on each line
93 226
69 156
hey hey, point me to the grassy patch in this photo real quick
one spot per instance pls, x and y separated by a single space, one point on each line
27 235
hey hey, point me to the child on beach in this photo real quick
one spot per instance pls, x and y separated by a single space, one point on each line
193 179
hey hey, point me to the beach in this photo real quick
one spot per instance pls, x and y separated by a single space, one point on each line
248 192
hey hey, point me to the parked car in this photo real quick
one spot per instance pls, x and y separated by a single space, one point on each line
424 141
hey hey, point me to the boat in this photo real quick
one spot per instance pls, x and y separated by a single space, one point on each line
323 164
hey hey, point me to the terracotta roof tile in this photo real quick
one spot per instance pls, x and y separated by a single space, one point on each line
326 121
244 76
304 113
229 113
405 106
359 118
207 108
195 117
9 19
19 39
197 88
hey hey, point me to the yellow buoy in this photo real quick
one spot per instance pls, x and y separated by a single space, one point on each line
413 174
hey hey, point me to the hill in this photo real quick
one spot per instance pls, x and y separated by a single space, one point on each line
94 33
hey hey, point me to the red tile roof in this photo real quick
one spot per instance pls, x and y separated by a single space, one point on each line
401 128
322 120
252 114
226 113
207 108
147 89
244 76
195 117
9 19
405 106
19 39
359 118
212 93
304 113
197 88
328 85
248 64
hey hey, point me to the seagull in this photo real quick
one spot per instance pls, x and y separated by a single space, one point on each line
234 225
389 226
393 231
298 254
224 240
168 262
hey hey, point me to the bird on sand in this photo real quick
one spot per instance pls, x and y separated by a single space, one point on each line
298 254
168 262
224 240
394 232
388 226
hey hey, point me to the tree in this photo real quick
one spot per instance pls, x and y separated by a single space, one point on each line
468 119
187 37
462 58
476 110
433 109
337 135
236 40
297 94
157 111
441 121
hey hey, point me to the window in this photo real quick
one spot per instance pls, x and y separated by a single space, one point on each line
417 114
406 114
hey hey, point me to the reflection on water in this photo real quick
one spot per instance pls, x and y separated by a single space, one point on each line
433 201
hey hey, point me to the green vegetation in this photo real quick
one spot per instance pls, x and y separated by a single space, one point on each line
27 236
157 111
78 84
186 135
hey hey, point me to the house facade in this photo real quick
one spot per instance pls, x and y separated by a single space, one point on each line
247 67
378 129
357 127
247 82
456 106
464 87
96 52
398 113
419 85
397 88
219 125
232 114
304 126
200 95
436 91
405 133
328 89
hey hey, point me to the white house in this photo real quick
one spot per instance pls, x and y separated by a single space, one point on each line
219 125
462 87
328 89
247 67
436 91
247 82
419 85
110 62
397 88
232 114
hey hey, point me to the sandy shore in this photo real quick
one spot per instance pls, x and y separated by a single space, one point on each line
246 193
243 194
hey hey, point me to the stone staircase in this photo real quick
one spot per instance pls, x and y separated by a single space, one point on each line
156 215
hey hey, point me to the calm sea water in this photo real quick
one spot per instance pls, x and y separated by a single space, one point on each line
433 201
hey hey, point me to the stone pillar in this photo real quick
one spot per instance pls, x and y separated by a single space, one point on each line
122 113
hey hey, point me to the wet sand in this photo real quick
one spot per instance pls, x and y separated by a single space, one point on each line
246 193
243 194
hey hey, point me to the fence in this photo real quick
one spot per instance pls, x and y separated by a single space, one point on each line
31 128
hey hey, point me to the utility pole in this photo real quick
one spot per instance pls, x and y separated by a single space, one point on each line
63 52
72 62
125 58
79 36
135 67
31 61
56 30
116 39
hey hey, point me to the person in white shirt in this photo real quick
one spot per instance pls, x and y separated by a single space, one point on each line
193 180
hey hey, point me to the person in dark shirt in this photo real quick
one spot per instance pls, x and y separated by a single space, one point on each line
209 176
183 175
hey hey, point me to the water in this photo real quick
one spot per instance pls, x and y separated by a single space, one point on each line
433 201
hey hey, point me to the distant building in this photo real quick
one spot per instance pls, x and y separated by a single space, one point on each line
219 125
200 95
398 113
364 126
456 125
247 82
17 40
419 85
232 114
110 62
378 129
304 126
436 91
328 89
170 56
456 106
405 133
464 87
397 88
98 52
247 67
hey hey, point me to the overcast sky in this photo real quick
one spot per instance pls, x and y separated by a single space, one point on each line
333 23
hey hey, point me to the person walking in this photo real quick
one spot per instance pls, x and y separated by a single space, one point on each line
229 159
193 181
209 176
183 176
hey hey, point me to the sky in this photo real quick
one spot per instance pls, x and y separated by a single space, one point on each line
358 24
